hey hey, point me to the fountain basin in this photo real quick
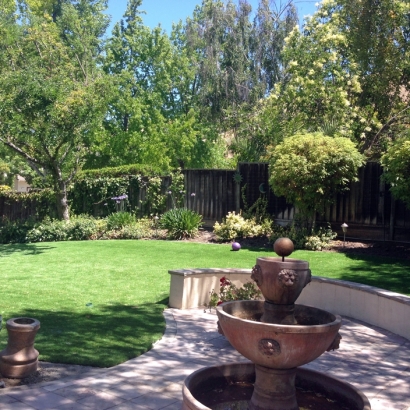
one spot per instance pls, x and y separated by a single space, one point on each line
278 346
212 381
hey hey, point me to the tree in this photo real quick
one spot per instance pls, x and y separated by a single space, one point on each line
396 164
310 169
151 117
52 98
348 69
238 62
378 42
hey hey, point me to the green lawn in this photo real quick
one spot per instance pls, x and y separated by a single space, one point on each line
100 302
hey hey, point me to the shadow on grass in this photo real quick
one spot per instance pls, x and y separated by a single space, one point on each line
26 248
382 272
102 336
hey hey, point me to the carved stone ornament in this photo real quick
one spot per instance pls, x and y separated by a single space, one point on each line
288 277
257 275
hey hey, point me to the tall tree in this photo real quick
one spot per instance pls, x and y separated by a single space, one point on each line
347 72
52 98
239 61
151 119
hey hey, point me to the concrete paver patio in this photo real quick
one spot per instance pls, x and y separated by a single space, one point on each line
372 359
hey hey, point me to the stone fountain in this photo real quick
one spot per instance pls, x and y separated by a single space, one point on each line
277 336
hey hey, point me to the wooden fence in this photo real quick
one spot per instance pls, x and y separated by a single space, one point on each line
368 207
211 192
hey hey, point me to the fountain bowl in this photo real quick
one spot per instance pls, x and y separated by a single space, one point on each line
211 379
277 346
281 281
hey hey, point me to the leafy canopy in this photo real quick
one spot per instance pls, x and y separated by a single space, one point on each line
310 169
396 163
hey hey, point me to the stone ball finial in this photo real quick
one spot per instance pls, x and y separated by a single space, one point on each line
283 247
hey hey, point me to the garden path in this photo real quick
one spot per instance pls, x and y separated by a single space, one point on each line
374 360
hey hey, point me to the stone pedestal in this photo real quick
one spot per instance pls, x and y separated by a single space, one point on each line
20 359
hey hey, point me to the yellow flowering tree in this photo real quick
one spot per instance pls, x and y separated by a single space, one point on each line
347 73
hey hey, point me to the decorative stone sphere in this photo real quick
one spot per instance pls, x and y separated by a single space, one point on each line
236 246
283 247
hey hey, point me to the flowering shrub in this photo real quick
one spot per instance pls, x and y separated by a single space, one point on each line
304 238
229 292
236 226
321 240
120 202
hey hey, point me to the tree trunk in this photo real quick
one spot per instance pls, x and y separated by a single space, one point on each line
62 203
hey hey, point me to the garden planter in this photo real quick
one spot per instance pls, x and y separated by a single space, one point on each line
19 359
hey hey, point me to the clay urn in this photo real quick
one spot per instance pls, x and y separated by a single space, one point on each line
20 359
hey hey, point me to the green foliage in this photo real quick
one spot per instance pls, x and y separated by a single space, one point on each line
4 188
338 68
53 96
236 226
315 239
118 220
40 203
115 172
142 228
396 163
310 169
121 225
147 193
15 232
258 210
181 223
79 228
229 292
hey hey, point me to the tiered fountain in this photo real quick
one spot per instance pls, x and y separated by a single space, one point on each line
277 336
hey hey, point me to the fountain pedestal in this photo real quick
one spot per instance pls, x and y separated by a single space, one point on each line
274 389
278 336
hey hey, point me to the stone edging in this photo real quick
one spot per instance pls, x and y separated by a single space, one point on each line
379 307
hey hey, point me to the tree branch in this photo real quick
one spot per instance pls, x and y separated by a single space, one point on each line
387 124
33 162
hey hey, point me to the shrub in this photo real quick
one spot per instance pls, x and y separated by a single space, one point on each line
119 220
4 188
304 238
15 232
181 223
310 169
321 240
139 229
78 228
236 226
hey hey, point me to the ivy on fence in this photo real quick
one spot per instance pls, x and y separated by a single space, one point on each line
34 205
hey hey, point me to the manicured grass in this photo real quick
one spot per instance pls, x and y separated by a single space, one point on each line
100 302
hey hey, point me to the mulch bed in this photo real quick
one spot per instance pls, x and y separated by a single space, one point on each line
390 249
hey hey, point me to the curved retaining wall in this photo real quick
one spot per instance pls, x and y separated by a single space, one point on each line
389 310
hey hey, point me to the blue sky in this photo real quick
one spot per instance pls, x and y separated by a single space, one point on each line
167 12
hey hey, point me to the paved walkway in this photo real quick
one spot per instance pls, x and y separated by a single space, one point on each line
374 360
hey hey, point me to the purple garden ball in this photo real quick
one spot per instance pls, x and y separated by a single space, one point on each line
236 246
